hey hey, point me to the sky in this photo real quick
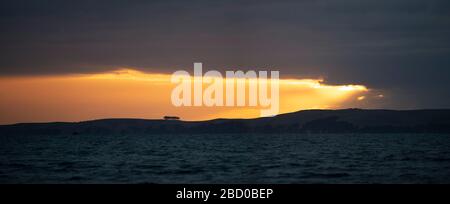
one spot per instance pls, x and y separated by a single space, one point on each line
398 50
127 93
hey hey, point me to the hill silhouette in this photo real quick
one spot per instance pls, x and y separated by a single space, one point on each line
306 121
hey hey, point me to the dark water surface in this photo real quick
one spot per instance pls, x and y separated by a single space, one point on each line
282 158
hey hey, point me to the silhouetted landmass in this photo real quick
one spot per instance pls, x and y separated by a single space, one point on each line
307 121
171 118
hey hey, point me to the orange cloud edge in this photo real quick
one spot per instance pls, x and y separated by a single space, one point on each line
130 93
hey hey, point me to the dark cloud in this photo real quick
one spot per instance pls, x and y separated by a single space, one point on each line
400 46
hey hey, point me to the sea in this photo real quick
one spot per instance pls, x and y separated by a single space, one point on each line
226 158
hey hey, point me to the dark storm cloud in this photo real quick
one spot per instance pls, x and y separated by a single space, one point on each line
400 46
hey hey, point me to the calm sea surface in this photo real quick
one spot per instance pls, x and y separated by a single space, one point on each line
226 158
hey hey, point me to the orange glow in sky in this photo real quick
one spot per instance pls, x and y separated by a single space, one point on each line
127 93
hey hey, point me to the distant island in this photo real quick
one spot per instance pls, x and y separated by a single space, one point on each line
306 121
171 118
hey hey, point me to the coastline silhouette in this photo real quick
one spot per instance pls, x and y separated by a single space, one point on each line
305 121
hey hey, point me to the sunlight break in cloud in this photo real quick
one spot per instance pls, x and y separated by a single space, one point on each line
128 93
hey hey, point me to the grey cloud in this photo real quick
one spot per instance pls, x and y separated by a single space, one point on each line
397 46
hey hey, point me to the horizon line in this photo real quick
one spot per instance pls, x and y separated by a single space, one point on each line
180 120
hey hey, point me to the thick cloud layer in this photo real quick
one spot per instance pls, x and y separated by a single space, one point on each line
401 47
